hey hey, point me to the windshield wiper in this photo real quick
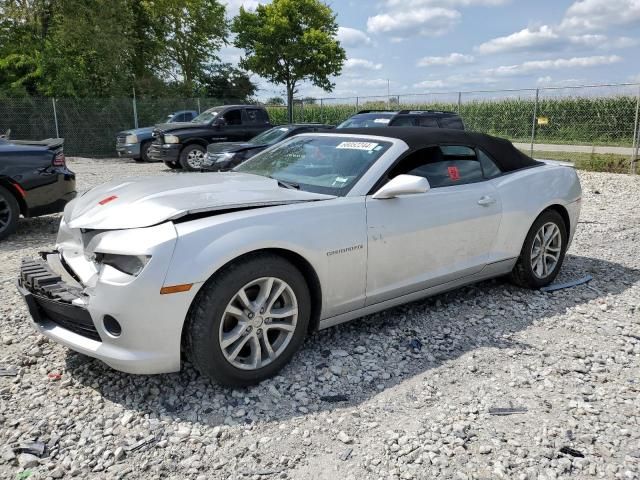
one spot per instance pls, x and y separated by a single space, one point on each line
289 185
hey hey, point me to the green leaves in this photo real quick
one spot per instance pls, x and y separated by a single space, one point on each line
97 48
290 41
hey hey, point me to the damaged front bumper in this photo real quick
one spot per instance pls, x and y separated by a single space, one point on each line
77 308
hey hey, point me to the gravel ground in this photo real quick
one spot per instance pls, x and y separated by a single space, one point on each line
402 394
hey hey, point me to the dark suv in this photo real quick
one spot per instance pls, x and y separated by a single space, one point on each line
427 118
369 118
184 145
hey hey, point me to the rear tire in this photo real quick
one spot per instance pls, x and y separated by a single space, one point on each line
543 252
144 151
9 213
192 157
230 336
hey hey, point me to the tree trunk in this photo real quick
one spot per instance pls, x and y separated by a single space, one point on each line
290 103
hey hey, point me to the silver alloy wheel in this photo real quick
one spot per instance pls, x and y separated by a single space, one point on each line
546 249
195 158
5 213
258 323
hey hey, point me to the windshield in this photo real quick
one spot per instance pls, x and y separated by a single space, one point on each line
367 120
207 116
271 136
321 164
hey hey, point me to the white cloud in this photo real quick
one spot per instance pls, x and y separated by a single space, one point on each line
425 21
525 39
546 38
361 64
364 83
352 37
430 84
443 3
451 59
425 17
454 81
559 63
548 81
233 6
595 15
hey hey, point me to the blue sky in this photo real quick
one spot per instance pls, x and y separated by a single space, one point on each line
423 46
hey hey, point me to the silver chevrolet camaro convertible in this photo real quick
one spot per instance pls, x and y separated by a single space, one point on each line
233 270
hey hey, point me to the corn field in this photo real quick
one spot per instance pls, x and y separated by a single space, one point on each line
578 121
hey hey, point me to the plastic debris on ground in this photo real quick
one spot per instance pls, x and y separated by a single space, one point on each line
507 410
8 371
34 448
573 283
571 451
334 398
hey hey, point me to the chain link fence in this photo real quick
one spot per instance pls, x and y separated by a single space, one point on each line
597 119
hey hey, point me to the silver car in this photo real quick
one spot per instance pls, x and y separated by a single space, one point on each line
233 270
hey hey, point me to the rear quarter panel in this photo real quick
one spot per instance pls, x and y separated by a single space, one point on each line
527 193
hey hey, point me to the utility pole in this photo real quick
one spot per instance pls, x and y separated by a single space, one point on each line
388 94
135 109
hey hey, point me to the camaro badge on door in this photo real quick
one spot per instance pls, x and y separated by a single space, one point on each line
345 250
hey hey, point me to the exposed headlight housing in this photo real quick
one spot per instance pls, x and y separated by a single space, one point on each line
223 157
213 158
129 264
133 138
171 139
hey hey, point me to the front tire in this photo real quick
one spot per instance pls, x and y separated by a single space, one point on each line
192 157
248 320
9 213
542 253
144 151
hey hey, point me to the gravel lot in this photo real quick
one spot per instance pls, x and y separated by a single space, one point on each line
402 394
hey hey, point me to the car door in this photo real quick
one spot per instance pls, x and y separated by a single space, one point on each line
233 129
423 240
254 122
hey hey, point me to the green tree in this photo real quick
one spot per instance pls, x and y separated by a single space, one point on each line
192 32
275 101
88 50
226 83
290 41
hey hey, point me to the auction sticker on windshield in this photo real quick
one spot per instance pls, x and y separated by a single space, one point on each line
366 146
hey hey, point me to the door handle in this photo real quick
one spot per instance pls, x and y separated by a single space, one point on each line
486 201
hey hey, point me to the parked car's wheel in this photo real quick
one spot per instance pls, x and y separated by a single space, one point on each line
9 213
248 320
543 251
144 151
173 165
192 157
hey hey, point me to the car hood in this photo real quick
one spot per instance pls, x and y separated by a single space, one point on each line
146 201
231 147
137 131
172 127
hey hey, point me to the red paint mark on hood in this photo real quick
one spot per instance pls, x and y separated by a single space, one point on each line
107 200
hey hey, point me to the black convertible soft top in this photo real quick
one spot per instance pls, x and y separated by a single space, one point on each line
506 156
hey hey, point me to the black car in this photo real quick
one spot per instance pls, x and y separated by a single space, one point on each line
34 181
184 145
224 156
427 118
368 119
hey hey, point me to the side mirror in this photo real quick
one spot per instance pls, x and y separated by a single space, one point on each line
219 122
403 185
